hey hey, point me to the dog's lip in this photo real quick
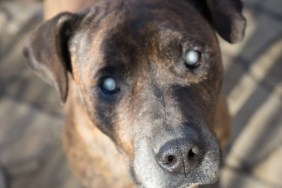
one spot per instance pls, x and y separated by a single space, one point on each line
188 185
191 185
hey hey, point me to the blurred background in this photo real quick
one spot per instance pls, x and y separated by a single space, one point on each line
31 119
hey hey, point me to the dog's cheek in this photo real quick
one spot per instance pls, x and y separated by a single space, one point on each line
125 143
145 169
104 116
134 139
126 124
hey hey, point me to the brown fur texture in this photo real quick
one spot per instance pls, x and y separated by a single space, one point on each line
162 107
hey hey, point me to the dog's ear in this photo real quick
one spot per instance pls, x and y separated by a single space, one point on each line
228 19
48 53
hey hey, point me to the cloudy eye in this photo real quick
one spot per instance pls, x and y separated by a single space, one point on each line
192 58
109 86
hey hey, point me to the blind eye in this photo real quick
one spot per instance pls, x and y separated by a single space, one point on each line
109 86
193 59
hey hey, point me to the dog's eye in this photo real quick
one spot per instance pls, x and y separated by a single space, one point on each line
192 58
109 86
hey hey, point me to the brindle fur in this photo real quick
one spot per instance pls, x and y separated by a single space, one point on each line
141 44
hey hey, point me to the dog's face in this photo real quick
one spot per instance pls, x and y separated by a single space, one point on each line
149 75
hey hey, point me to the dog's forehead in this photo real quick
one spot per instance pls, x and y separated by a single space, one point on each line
127 32
137 20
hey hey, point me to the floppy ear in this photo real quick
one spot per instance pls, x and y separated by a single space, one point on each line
228 19
48 53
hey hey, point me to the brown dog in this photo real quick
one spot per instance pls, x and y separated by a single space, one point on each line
141 85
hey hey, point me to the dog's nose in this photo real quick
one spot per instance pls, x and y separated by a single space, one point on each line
180 156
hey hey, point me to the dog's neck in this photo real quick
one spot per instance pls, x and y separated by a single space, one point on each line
91 153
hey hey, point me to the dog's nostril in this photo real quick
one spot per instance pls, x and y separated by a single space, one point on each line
171 159
194 153
191 154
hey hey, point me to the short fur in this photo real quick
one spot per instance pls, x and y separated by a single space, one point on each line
114 140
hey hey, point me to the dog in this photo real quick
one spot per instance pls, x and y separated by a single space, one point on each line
140 81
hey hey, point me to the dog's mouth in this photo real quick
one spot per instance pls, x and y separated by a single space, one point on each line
188 185
172 182
192 185
150 174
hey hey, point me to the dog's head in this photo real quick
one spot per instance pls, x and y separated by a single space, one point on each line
149 74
